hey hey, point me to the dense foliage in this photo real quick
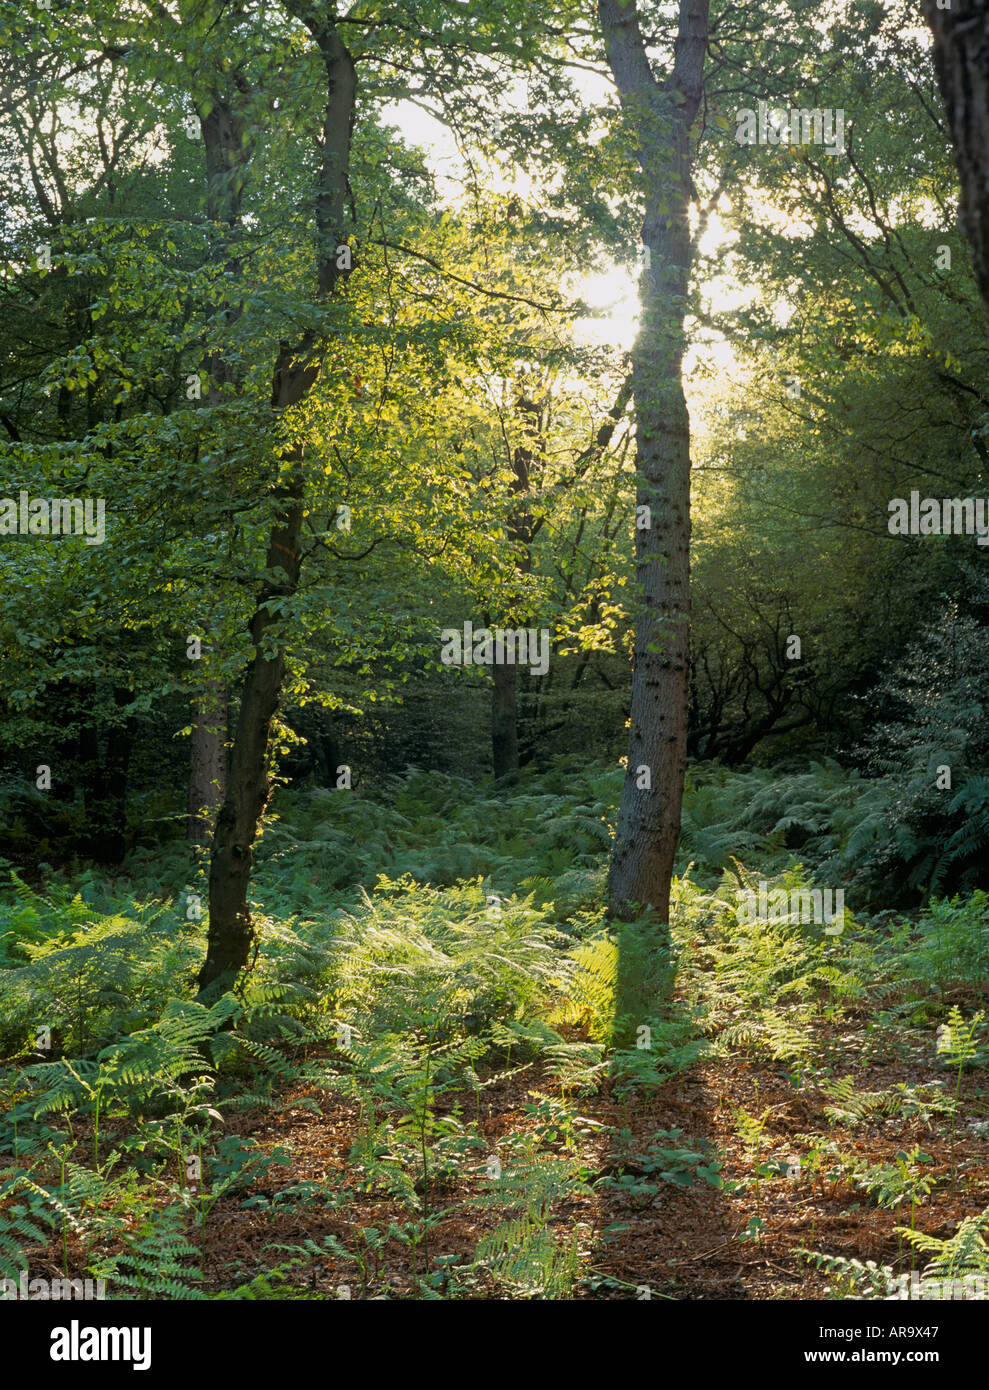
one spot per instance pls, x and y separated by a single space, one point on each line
304 297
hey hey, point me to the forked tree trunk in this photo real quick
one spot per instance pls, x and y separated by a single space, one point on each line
230 930
961 60
661 115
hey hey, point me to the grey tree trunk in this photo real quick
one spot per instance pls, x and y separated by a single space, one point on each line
505 720
660 115
520 531
961 60
227 153
208 761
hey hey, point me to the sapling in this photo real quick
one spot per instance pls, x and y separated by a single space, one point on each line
957 1045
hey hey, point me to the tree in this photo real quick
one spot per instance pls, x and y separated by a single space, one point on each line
961 60
858 374
660 115
294 372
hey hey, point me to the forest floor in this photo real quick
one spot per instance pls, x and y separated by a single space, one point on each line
485 1137
677 1242
664 1241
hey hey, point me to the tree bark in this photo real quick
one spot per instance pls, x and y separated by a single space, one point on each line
226 153
208 761
961 60
504 720
661 114
230 930
519 528
231 933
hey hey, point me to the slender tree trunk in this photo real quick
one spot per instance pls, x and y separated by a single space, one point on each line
227 153
519 528
504 720
105 768
961 60
230 930
661 115
208 761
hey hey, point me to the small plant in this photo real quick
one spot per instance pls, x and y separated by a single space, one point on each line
160 1262
962 1255
524 1254
896 1182
853 1279
957 1046
666 1158
851 1107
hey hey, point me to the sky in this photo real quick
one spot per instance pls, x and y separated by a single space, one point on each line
612 294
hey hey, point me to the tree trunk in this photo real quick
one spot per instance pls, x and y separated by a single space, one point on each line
208 761
520 531
504 720
104 780
230 930
961 60
661 114
227 147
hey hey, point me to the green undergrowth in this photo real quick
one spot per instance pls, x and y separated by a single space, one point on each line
418 955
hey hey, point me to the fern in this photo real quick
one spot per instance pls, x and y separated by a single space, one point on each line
19 1228
966 1253
854 1279
960 1264
527 1258
159 1262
